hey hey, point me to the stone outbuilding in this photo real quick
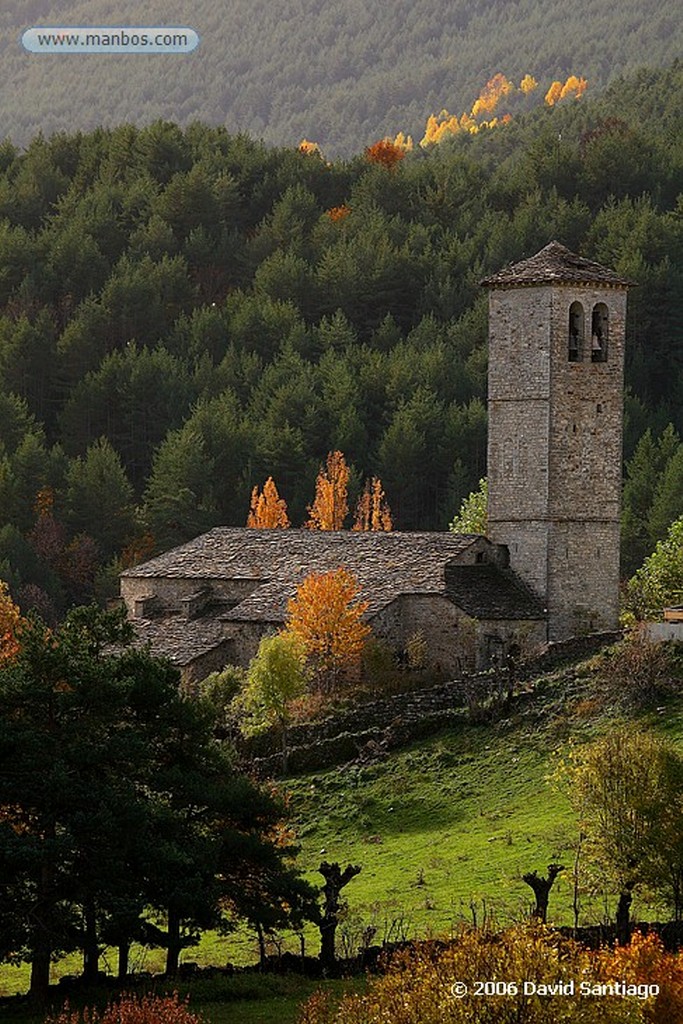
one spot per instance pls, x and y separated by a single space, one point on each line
207 603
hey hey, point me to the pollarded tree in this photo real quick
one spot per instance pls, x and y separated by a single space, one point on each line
327 617
268 510
330 506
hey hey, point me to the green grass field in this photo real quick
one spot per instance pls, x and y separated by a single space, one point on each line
443 831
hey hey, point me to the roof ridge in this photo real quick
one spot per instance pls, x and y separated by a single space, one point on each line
555 264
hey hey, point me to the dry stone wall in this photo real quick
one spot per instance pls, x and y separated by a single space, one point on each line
371 728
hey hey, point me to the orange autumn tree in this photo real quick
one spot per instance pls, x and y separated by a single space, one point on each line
10 625
268 509
386 153
330 505
327 617
372 511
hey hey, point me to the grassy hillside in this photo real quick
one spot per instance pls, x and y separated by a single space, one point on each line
444 829
343 74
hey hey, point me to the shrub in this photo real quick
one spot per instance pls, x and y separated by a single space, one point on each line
640 671
418 986
131 1009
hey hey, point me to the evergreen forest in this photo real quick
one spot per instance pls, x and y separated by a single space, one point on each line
185 312
342 74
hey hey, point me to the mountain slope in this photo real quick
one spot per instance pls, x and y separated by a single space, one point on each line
341 73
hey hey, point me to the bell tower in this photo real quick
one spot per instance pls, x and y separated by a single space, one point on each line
555 405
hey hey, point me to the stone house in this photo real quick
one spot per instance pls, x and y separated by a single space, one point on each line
549 569
208 602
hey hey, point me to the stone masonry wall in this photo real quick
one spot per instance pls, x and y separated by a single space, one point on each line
375 726
554 455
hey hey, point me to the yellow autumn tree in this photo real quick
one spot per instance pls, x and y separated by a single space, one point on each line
10 625
327 617
372 510
330 506
528 84
310 148
268 510
491 95
553 94
404 142
574 86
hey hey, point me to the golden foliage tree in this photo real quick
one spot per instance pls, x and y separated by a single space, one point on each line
528 84
330 506
309 148
372 511
574 86
10 625
492 93
327 617
268 510
404 142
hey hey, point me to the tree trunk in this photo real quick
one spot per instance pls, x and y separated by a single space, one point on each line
328 931
173 952
41 953
124 957
623 920
261 944
335 880
285 745
91 953
39 988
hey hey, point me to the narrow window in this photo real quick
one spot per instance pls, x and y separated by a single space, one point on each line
599 333
576 322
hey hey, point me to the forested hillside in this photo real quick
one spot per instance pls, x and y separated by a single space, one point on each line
340 73
183 314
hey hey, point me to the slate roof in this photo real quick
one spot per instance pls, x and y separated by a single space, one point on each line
484 592
385 564
182 641
555 264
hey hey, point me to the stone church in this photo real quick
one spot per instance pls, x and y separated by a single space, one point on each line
549 567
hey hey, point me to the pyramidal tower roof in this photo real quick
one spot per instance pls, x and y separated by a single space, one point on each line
555 264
